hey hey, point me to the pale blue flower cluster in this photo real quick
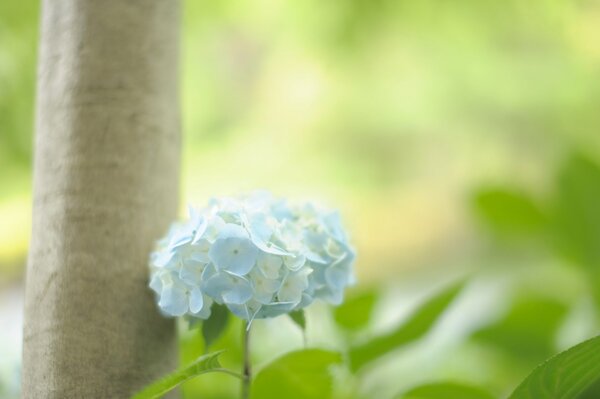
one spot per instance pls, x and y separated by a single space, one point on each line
259 255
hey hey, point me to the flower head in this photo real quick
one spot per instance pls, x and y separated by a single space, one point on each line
258 255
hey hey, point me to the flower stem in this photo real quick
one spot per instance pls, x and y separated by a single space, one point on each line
246 371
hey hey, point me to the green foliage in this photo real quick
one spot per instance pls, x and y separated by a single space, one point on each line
446 390
302 374
215 325
577 220
509 213
528 330
212 385
570 226
299 318
355 312
572 374
204 364
18 38
573 221
418 324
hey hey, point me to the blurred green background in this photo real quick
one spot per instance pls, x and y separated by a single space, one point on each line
458 139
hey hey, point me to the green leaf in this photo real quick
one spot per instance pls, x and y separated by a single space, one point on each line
214 326
576 227
355 312
592 392
299 318
528 330
418 324
297 375
446 390
577 224
509 212
204 364
568 375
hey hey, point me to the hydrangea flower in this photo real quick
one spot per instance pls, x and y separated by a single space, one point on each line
258 255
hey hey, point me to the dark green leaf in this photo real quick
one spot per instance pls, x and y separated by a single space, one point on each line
299 318
509 212
204 364
356 310
528 330
418 324
446 390
568 375
592 392
297 375
214 326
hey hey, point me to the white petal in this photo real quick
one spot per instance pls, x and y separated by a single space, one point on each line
196 300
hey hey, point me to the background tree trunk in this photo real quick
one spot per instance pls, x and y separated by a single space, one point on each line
105 187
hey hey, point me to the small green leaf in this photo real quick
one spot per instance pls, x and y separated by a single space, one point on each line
419 323
214 326
297 375
509 212
446 390
204 364
568 375
356 310
299 318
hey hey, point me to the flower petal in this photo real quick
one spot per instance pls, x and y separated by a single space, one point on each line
233 254
196 300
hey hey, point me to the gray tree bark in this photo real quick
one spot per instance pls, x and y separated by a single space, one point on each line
105 188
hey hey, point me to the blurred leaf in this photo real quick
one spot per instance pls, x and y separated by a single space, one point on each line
297 375
214 326
577 224
356 310
418 324
509 212
191 346
565 376
211 386
528 330
299 318
204 364
446 390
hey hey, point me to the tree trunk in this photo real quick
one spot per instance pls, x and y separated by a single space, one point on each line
105 187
